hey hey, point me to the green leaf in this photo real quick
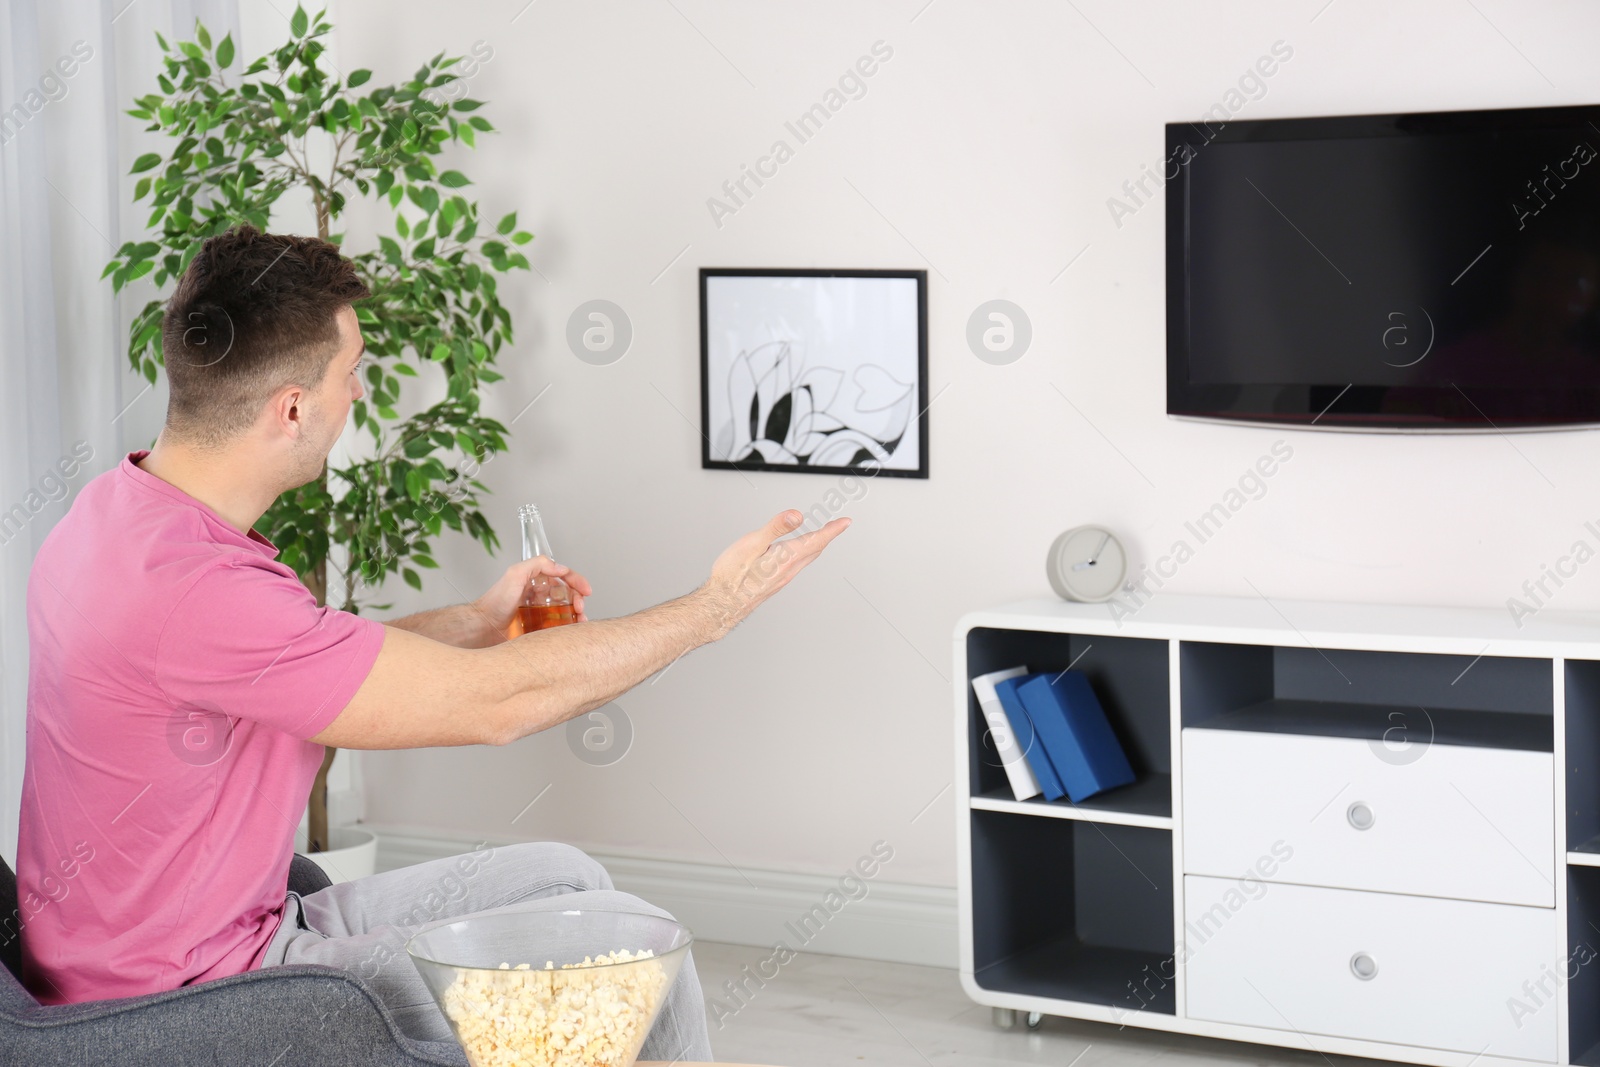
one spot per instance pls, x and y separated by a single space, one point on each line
225 52
429 199
145 162
297 25
413 579
358 77
440 353
468 105
454 179
201 35
507 224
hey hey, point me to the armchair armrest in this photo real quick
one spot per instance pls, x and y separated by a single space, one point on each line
287 1016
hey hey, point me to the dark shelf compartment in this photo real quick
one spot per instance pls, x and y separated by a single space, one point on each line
1129 676
1073 909
1394 722
1071 970
1150 795
1394 697
1583 953
1582 688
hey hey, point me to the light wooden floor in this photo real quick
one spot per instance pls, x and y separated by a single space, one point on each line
827 1011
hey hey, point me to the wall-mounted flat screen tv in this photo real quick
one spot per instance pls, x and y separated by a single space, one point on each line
1433 271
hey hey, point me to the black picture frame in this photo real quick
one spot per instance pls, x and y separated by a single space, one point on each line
917 424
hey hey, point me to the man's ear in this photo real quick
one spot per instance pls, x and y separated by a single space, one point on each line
288 411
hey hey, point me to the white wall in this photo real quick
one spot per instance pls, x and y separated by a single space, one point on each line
985 151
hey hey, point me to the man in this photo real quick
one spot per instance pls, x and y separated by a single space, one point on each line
154 610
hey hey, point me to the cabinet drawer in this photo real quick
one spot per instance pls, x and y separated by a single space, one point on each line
1470 823
1446 974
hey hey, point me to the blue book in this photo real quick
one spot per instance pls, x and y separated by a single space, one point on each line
1027 738
1072 727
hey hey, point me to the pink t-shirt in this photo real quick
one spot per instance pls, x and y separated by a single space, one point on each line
175 672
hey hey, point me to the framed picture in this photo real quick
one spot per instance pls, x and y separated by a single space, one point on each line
820 371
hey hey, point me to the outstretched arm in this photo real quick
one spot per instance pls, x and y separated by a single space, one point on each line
422 692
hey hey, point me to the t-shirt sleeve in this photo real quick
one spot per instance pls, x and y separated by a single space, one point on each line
251 642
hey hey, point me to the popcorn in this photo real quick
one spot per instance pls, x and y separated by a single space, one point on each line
585 1014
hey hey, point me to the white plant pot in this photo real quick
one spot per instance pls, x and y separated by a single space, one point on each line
354 854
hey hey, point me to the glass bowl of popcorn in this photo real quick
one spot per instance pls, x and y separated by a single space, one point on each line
576 988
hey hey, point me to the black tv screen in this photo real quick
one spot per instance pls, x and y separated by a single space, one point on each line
1389 272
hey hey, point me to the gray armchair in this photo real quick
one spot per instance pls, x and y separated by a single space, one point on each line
275 1016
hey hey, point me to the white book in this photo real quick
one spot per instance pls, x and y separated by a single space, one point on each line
1006 749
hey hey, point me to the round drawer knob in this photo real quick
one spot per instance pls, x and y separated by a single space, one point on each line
1363 966
1360 815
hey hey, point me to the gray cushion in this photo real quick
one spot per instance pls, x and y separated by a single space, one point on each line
305 876
294 1016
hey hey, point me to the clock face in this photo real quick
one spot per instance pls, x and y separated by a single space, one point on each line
1088 563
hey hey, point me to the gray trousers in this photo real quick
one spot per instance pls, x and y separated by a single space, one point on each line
362 927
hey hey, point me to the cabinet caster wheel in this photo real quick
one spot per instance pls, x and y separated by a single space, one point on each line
1035 1020
1004 1018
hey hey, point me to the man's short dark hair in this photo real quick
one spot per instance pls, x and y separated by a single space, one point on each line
253 313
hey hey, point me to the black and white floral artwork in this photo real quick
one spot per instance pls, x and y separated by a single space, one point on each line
820 371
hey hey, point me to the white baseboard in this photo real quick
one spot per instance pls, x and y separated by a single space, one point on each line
894 921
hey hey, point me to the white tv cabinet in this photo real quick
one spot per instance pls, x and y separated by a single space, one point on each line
1358 829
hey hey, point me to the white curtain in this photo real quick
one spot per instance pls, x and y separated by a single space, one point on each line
69 69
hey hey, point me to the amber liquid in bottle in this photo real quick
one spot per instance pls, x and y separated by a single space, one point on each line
547 601
543 616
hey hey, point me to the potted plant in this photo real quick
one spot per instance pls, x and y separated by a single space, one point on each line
289 125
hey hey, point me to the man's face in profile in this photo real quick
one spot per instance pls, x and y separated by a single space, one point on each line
328 408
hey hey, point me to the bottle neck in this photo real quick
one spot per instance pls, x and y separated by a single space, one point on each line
534 540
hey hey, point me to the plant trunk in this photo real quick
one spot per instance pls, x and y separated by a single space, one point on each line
317 831
317 838
317 807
